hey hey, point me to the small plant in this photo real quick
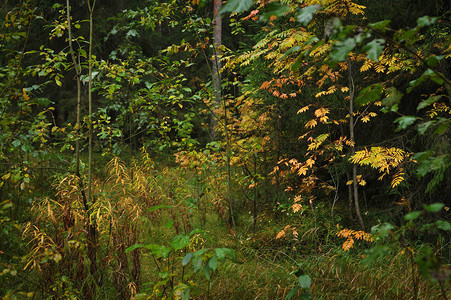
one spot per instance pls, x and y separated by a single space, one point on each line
175 280
423 243
352 235
304 283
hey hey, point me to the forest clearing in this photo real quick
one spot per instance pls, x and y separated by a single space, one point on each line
239 149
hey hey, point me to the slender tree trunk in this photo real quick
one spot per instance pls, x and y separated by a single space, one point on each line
77 68
92 229
352 136
255 203
217 97
216 64
350 198
278 117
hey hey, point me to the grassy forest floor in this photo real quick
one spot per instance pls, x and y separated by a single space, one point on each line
263 264
153 219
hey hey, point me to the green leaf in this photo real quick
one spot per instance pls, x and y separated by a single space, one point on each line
133 247
220 253
442 127
434 60
381 26
187 258
200 252
405 122
412 215
428 74
289 51
423 127
158 250
374 49
426 21
274 8
341 49
234 6
297 64
213 262
225 252
207 272
307 13
16 143
197 263
382 230
305 281
157 207
369 94
393 99
179 242
434 207
428 101
292 292
306 295
443 225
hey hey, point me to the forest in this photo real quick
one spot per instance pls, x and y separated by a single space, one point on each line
238 149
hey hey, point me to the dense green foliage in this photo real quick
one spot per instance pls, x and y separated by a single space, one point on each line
315 164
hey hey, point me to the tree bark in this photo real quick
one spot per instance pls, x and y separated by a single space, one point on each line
216 63
352 137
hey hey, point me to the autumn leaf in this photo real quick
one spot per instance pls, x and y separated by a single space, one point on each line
280 234
296 207
310 124
304 109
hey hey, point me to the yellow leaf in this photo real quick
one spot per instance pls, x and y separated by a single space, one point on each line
366 65
310 162
296 207
310 124
280 234
321 112
25 95
302 171
349 182
304 109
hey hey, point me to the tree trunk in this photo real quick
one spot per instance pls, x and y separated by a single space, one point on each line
216 63
352 137
92 228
